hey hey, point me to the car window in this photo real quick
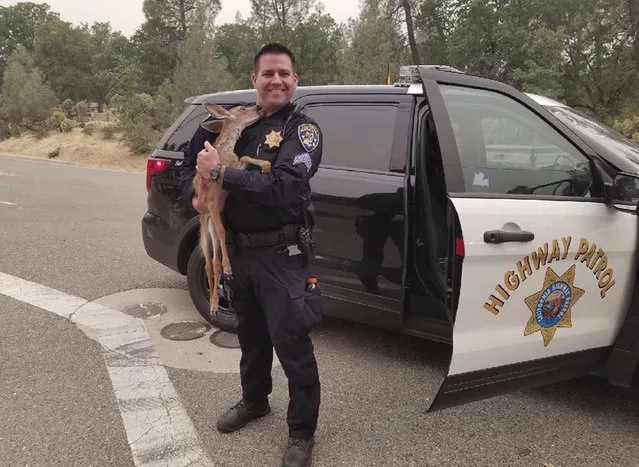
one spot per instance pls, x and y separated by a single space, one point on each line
357 136
505 148
184 131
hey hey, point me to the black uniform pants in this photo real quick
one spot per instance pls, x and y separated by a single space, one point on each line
275 311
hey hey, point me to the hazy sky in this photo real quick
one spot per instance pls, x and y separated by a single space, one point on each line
126 15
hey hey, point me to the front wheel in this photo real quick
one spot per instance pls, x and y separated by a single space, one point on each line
199 291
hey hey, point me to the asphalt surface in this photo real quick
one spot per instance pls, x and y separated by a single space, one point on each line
77 230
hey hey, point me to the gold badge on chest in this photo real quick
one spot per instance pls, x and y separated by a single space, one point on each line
273 139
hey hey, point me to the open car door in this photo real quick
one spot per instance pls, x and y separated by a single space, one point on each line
549 267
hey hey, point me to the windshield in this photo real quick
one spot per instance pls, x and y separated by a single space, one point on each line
600 133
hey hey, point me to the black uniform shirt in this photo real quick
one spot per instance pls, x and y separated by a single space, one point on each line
260 202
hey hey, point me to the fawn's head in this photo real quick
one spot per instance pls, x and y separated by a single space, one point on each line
235 119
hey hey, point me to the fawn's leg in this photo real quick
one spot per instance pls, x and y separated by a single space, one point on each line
207 244
214 290
221 235
265 165
214 278
217 269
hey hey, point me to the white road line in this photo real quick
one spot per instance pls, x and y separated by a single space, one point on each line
8 203
158 428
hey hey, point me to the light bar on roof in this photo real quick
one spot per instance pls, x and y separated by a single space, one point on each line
409 74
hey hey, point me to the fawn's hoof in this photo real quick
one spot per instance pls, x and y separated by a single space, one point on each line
227 277
266 168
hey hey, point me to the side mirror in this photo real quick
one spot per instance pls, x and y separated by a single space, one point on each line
623 194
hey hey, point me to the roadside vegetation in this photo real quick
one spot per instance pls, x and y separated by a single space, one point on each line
80 93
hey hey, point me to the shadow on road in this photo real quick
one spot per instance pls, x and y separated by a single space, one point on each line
591 394
587 393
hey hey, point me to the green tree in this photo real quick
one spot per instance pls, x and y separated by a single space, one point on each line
63 53
199 71
283 13
435 20
177 16
26 99
155 55
317 43
156 41
600 73
315 39
511 41
237 44
17 27
113 68
375 46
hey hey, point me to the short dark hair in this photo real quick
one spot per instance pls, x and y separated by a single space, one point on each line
273 48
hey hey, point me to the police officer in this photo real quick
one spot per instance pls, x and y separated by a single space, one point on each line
275 297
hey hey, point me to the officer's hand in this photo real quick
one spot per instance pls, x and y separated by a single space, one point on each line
198 204
207 158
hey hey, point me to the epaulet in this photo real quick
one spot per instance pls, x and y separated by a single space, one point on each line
294 113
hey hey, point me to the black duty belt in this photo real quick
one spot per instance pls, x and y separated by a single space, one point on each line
287 235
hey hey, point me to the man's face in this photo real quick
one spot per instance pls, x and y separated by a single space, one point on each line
275 81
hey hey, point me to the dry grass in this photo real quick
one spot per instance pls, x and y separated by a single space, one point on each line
77 149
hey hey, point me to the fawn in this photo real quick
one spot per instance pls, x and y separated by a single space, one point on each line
229 124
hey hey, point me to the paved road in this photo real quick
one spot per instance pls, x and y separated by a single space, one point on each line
77 232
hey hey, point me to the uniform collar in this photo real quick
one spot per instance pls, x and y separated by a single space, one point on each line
285 109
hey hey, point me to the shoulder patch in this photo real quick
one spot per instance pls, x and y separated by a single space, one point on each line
309 136
303 159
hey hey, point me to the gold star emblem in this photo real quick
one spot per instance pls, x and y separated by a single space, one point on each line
273 139
551 307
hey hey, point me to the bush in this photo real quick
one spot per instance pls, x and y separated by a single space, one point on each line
55 153
66 126
14 130
67 108
627 127
5 130
82 111
141 140
55 120
108 131
138 122
58 121
88 129
40 128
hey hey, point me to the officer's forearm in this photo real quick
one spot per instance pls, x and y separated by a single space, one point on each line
268 189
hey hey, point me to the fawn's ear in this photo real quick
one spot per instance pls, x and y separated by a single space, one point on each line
214 126
216 111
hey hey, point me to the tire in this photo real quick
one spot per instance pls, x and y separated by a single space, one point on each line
199 291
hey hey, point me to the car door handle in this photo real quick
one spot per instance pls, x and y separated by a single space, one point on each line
502 236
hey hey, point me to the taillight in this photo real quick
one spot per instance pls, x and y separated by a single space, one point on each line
460 250
155 166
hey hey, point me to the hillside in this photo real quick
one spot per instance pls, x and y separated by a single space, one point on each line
76 148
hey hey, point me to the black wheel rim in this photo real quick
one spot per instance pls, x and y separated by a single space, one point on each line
223 302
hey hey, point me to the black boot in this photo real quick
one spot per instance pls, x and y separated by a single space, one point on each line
240 414
298 453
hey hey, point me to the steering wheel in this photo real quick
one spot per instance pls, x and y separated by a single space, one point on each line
572 163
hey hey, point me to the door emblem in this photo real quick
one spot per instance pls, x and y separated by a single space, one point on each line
588 255
273 139
551 307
